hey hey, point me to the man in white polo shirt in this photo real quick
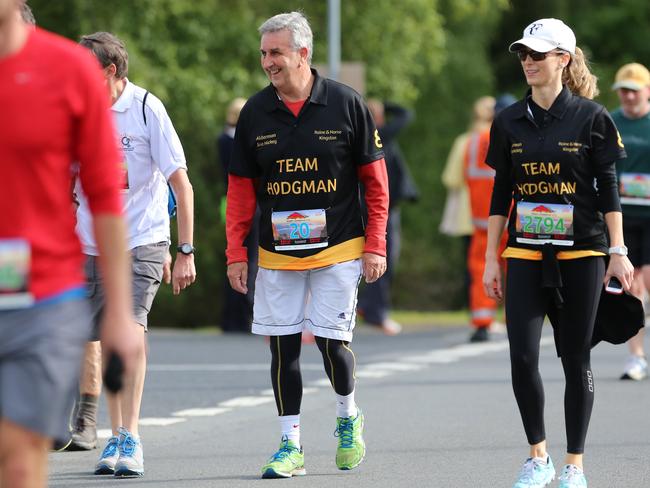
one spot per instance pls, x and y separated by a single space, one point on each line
153 156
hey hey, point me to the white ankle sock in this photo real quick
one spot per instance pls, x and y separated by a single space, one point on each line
345 405
290 426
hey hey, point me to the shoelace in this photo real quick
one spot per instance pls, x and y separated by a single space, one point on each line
284 451
530 467
110 448
570 472
344 432
128 445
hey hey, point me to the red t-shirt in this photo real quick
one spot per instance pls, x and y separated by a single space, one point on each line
54 111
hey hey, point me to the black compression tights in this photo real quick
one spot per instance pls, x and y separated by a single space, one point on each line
526 305
285 369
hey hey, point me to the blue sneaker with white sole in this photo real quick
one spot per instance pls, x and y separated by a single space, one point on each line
536 473
572 477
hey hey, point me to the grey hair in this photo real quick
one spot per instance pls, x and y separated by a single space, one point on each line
297 25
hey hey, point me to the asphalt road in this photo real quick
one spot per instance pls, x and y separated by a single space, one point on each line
439 413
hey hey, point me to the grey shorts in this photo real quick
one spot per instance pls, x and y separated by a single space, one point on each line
147 270
41 349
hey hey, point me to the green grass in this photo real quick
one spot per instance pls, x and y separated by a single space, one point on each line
414 318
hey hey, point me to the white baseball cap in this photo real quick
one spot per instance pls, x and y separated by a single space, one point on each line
545 35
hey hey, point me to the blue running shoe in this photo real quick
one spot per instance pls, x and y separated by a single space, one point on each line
131 461
536 473
108 458
572 477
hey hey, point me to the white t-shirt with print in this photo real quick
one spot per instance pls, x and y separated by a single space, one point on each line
152 153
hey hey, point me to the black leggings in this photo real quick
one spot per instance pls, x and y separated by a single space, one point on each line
526 305
286 378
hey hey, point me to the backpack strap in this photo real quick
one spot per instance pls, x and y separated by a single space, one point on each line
144 104
171 200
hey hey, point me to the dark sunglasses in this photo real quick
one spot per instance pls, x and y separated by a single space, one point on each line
522 54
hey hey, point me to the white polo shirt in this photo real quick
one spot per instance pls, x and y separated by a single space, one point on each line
152 153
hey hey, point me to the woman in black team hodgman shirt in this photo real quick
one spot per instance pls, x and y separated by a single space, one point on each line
554 154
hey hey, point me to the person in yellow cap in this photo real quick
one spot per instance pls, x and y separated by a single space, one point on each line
632 84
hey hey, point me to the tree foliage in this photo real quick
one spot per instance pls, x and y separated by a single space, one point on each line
436 56
198 55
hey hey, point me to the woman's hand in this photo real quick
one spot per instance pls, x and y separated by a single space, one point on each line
621 268
492 279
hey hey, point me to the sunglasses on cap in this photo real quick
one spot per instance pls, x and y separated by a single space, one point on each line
522 54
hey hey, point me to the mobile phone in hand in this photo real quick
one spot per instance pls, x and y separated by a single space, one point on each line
614 286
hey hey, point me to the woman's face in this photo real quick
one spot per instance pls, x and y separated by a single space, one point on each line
547 71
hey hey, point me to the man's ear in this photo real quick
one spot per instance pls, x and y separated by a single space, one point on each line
110 70
304 53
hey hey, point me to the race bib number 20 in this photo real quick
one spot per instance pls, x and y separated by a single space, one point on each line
299 229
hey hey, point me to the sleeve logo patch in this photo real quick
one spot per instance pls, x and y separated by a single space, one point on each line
378 142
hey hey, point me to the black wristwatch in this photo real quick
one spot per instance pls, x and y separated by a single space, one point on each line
186 248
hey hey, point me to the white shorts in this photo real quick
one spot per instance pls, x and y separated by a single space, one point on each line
323 300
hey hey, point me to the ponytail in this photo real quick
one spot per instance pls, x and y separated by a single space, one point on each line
578 78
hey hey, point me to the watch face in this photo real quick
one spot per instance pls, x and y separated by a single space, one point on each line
186 249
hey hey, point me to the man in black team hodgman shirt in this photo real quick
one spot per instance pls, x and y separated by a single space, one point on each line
302 146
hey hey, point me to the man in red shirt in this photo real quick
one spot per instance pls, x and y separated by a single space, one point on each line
54 112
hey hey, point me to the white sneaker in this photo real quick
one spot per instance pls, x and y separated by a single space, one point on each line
131 461
108 458
636 368
572 477
536 473
391 327
498 327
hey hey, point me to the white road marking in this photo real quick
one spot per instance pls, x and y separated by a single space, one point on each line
306 390
321 382
160 421
104 433
246 401
391 367
200 368
201 412
368 373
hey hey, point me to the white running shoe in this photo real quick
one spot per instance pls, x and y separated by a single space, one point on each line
108 458
536 473
572 477
636 368
131 461
391 327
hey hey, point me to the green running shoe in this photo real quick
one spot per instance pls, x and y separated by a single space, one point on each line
351 449
287 462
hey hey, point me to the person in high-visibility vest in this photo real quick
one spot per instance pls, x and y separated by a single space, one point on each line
479 178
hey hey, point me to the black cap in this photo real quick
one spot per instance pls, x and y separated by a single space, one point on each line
619 318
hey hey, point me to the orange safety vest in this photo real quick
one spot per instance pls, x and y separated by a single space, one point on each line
479 177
